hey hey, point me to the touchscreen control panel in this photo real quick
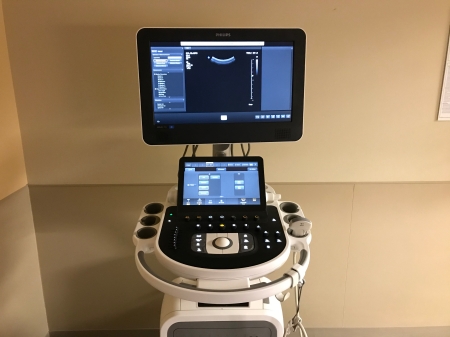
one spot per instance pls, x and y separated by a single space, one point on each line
221 183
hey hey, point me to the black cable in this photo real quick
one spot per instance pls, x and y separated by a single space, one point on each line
185 150
194 150
231 150
245 154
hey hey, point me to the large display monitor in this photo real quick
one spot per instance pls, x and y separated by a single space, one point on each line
221 86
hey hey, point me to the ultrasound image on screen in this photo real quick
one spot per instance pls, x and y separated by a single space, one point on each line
223 80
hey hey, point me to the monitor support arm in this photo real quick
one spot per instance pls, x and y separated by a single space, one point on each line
221 150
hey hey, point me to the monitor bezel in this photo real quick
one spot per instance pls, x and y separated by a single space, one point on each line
186 209
220 133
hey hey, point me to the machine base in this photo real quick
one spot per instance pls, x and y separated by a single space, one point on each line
222 329
181 318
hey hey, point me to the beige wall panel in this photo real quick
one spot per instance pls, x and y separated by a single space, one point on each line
399 262
86 253
329 207
22 308
12 165
373 79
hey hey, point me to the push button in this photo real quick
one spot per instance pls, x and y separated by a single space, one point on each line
198 243
199 249
246 242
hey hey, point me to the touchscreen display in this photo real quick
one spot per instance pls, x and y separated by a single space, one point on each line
221 183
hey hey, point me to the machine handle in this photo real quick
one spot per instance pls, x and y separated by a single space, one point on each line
226 296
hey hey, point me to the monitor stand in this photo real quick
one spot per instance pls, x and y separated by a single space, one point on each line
221 150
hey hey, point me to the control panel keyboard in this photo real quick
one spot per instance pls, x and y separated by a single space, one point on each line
222 241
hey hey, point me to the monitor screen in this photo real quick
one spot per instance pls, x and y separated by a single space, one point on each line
206 86
218 182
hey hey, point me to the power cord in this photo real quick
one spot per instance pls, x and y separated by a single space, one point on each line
296 321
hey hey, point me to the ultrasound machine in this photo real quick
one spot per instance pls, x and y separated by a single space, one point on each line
222 229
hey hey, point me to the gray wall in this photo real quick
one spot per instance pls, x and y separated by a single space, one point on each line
22 305
22 309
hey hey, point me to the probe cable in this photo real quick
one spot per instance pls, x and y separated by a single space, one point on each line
296 321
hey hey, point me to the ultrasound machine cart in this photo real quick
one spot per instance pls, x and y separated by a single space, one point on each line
222 229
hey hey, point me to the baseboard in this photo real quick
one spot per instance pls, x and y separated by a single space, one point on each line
439 331
107 333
